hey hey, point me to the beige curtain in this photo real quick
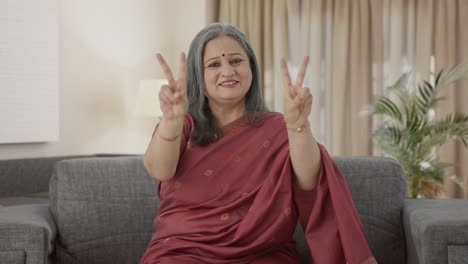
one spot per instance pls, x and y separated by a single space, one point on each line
449 44
296 28
337 36
427 36
357 48
264 22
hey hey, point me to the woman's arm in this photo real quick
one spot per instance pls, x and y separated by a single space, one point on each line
162 154
304 151
305 157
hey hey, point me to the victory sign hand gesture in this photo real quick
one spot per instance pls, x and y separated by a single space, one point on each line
173 96
297 99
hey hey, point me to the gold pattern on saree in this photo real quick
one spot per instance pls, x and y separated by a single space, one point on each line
225 216
177 184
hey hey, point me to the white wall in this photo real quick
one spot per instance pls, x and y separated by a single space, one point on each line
106 47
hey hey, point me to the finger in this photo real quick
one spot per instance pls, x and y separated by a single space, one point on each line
167 94
167 111
164 98
302 72
165 107
308 104
287 78
308 96
182 67
305 92
165 67
284 69
296 102
303 96
310 99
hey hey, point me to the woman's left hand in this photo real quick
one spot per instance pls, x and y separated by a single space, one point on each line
297 99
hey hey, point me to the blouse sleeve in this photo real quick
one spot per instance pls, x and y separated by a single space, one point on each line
187 132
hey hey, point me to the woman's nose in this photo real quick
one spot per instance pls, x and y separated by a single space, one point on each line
227 69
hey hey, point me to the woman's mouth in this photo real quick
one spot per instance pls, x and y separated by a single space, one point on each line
229 83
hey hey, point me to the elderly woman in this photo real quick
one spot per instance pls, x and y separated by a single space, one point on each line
235 177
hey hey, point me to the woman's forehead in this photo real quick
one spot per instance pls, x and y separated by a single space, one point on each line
222 45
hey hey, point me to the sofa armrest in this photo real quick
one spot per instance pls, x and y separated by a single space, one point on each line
436 231
27 233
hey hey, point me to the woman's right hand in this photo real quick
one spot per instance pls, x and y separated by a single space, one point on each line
173 96
162 156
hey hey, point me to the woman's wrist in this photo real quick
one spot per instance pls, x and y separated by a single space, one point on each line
298 128
170 139
170 130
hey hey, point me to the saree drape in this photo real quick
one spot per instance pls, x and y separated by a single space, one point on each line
235 201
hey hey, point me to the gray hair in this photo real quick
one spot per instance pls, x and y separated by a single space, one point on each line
206 128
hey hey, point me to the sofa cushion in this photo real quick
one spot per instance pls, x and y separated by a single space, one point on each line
27 176
378 190
104 209
457 254
87 197
13 256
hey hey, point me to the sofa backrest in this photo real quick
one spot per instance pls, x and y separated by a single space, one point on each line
104 208
378 189
26 176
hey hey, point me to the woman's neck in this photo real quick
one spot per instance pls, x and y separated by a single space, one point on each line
225 114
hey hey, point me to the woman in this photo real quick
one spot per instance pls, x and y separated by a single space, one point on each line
234 177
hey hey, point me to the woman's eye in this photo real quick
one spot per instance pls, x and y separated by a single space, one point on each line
236 61
214 64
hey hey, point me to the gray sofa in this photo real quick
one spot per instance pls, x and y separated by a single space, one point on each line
101 210
26 180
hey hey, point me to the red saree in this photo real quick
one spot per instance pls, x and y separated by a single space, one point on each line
234 202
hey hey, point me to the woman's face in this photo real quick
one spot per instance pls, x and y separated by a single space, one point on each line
226 70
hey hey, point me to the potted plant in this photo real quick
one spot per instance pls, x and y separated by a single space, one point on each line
410 133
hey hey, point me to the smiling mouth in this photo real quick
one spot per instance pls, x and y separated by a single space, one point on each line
229 84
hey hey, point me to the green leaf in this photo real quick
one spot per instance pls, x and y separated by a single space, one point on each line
386 107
